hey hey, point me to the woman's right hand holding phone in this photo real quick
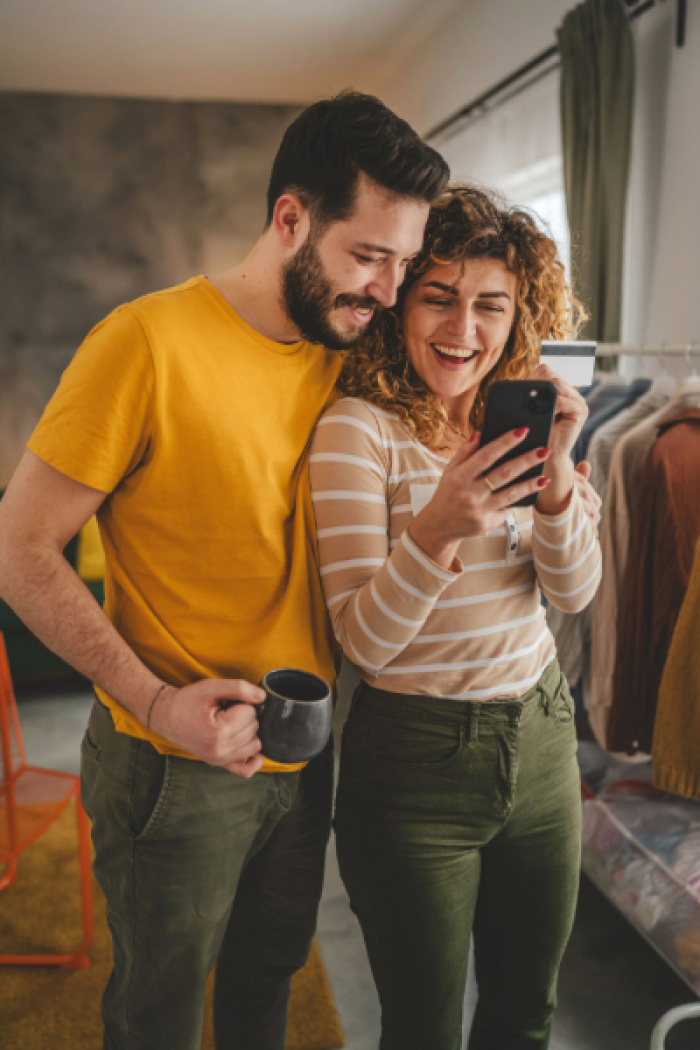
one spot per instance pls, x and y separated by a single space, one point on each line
474 496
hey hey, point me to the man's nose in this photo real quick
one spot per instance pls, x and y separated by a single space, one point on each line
384 287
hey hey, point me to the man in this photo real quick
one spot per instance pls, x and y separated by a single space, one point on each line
183 422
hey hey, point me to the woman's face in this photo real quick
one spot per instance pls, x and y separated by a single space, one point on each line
456 322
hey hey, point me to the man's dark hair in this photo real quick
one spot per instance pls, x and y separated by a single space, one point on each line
324 150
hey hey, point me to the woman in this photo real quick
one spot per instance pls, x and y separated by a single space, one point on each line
458 804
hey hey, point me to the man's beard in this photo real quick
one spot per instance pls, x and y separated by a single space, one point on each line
308 299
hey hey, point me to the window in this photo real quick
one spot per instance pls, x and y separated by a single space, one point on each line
513 145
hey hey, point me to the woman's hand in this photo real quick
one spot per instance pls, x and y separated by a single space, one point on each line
465 503
571 414
591 500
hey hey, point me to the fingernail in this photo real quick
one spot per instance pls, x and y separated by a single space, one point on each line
521 432
542 453
542 482
473 437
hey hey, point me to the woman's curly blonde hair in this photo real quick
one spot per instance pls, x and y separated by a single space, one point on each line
466 223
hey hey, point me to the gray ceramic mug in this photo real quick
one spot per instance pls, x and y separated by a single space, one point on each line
296 716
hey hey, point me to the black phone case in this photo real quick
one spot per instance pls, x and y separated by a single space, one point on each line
510 405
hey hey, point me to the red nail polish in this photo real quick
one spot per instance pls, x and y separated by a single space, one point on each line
542 453
542 482
521 432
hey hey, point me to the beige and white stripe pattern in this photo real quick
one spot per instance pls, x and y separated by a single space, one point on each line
411 626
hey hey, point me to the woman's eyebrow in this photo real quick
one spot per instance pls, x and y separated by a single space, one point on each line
451 290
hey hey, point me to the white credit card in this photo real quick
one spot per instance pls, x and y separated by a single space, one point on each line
573 362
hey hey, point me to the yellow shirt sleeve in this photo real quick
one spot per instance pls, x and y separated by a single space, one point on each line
91 555
96 427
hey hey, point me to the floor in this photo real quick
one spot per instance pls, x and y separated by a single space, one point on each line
613 987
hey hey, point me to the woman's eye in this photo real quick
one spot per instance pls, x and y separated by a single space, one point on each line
439 302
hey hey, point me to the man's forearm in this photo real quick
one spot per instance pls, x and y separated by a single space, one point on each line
45 592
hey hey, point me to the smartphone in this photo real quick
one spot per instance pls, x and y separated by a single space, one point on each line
515 403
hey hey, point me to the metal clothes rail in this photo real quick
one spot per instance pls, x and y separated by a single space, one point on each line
657 350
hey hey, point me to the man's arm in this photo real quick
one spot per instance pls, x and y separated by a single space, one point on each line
41 511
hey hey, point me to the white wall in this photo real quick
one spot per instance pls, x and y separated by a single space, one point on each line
654 51
477 45
674 300
483 42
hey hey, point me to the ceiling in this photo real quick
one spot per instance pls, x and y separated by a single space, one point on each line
247 50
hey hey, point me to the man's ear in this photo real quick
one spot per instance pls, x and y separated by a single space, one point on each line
290 221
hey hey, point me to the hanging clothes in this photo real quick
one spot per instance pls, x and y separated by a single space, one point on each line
572 631
626 467
676 743
607 401
606 437
665 529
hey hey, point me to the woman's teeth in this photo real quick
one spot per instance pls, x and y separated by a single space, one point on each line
450 354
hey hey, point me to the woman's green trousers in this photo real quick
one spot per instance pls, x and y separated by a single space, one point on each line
456 818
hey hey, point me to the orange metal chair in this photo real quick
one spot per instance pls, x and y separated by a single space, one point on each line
31 799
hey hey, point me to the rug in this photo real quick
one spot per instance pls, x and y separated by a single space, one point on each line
46 1007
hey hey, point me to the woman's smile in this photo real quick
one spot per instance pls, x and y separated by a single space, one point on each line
453 356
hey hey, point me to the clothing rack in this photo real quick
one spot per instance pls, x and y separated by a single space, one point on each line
648 350
599 811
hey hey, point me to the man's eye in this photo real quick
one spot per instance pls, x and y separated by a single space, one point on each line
439 302
365 258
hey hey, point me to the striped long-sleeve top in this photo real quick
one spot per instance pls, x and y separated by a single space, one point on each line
476 631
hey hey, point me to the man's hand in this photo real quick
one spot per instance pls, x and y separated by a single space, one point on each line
215 720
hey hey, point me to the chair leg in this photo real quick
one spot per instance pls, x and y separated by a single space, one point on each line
79 958
10 875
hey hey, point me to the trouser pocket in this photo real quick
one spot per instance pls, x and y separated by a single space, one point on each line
397 759
124 780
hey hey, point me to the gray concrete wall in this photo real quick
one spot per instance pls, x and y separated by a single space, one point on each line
103 200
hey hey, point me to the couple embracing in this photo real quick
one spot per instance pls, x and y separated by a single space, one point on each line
284 461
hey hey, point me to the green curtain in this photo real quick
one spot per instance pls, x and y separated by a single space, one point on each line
597 100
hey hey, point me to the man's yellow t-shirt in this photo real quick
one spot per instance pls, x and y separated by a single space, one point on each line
198 429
